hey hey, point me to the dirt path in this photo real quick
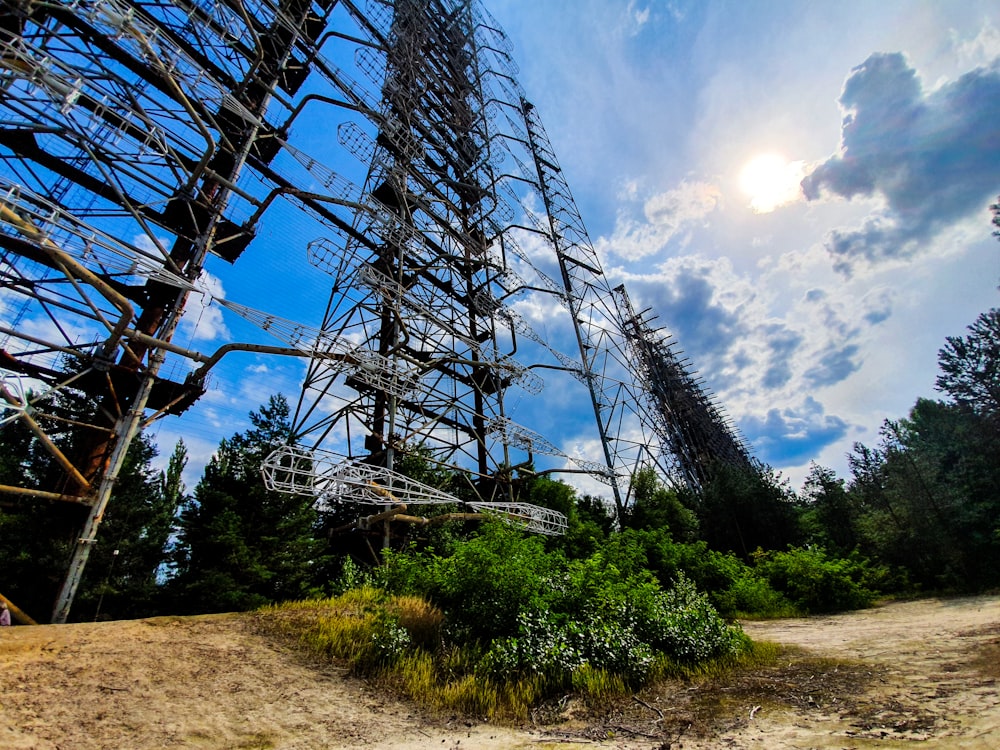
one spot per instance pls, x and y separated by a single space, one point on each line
904 674
934 667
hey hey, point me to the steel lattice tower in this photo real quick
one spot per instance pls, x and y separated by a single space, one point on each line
140 141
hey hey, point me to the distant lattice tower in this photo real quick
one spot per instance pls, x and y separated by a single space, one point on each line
141 140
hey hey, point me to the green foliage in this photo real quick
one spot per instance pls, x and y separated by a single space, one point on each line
352 576
556 649
122 577
595 512
542 614
732 585
684 625
815 582
751 596
830 517
37 538
654 506
970 367
740 510
240 545
385 637
483 584
929 498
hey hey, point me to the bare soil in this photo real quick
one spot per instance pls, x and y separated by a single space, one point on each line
900 675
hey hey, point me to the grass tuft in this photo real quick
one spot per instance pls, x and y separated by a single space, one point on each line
397 641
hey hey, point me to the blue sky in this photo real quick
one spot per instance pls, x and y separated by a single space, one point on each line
812 292
815 319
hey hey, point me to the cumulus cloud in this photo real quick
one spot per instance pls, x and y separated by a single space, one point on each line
787 437
201 320
985 45
932 157
689 296
665 216
782 344
877 306
836 363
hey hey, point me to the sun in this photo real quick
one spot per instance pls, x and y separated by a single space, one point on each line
770 180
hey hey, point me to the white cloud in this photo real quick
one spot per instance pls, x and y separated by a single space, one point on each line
664 216
203 321
985 46
792 435
637 17
934 157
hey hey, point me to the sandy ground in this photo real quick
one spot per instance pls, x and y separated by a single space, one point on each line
915 673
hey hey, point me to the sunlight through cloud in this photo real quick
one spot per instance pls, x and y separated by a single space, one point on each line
771 181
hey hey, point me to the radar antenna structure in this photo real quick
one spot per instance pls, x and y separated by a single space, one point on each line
143 143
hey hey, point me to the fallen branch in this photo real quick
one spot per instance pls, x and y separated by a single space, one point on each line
641 702
634 731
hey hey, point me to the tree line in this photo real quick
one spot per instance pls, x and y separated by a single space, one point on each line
919 512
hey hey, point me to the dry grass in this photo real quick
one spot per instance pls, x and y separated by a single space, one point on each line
349 628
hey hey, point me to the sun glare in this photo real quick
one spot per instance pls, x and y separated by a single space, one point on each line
770 181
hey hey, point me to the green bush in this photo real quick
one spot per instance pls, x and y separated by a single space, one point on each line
557 650
814 582
483 585
733 587
684 625
537 613
752 596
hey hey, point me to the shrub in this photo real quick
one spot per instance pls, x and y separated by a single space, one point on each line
751 595
814 582
558 651
684 625
483 586
352 576
501 624
733 587
619 631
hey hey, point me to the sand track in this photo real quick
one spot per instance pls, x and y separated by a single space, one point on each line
905 674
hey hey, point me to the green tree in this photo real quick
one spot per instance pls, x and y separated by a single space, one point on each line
587 519
35 540
740 510
829 517
122 578
239 544
655 506
929 497
970 367
37 537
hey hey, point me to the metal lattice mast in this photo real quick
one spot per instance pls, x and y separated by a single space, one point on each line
403 291
126 132
588 294
629 368
430 282
420 286
390 144
680 413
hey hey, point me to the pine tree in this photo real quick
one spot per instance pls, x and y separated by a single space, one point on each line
37 536
122 578
240 545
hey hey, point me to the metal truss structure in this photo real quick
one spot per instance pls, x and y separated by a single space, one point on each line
144 141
